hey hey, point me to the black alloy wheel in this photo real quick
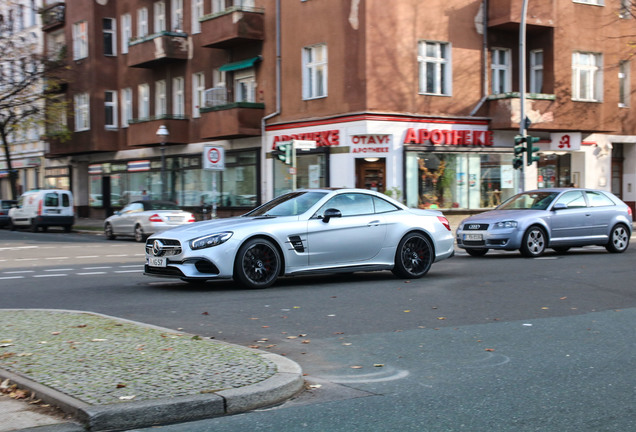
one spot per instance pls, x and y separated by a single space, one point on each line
108 232
139 233
619 239
534 242
257 264
414 256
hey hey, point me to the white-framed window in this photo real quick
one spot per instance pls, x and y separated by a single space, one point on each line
126 107
177 15
56 42
501 70
197 12
159 24
110 109
219 78
142 22
245 86
587 77
143 104
80 40
623 84
126 32
218 6
315 71
592 2
434 59
81 104
161 99
178 96
109 26
536 71
198 93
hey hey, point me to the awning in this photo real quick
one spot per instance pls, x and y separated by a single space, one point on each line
239 65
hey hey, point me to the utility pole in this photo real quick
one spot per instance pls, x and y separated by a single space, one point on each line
522 86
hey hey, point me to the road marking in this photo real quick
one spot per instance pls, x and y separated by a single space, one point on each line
135 265
19 271
11 277
50 275
90 273
88 256
26 259
96 268
57 270
127 271
122 255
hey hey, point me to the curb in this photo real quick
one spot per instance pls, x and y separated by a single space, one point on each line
285 383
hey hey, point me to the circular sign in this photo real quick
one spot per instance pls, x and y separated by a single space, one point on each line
214 155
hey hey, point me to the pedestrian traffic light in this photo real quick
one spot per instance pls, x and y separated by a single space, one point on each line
530 158
283 153
520 149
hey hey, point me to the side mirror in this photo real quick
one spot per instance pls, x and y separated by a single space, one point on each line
559 206
331 213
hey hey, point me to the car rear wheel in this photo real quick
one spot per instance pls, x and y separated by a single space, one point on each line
139 233
413 257
257 264
34 226
534 242
619 239
108 232
476 252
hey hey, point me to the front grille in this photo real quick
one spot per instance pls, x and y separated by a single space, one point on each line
475 227
163 271
474 243
169 247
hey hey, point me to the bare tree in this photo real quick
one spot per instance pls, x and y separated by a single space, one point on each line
28 88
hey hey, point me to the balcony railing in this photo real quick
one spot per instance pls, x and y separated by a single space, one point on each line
232 120
235 25
53 16
143 131
215 97
158 48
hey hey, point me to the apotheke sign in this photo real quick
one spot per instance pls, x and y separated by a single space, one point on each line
449 137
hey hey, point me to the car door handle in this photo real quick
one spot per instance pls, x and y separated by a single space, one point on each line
374 223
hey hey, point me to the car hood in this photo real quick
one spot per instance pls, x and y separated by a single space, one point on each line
501 215
219 225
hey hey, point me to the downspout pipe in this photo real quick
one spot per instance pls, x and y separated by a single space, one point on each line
278 93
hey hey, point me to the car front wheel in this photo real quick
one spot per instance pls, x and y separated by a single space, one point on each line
534 242
257 264
413 257
619 239
108 232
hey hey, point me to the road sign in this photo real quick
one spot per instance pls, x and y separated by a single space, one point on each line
213 158
304 144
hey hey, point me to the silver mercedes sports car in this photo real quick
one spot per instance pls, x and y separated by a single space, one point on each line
549 218
306 231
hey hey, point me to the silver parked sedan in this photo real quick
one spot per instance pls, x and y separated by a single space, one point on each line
306 231
140 219
549 218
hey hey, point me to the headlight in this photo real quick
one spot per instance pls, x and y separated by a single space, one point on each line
210 240
506 224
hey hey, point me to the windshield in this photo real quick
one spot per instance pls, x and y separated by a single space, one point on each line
529 201
291 204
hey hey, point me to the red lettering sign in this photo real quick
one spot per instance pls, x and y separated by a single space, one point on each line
449 137
322 138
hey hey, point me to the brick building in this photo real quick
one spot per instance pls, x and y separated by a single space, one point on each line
419 99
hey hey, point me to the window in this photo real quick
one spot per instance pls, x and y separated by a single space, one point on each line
592 2
198 93
142 22
126 32
598 199
159 17
573 199
80 40
143 92
82 120
434 64
110 36
536 71
245 86
315 71
197 12
126 106
501 72
110 109
351 204
178 96
218 6
587 84
623 84
161 101
177 15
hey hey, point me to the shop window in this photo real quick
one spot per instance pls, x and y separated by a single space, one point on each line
311 171
456 180
435 68
554 171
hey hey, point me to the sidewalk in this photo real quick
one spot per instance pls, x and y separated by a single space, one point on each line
113 374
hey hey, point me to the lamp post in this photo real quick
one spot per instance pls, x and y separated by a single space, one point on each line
163 134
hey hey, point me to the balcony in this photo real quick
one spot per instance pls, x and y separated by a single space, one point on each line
53 16
504 111
234 26
143 132
158 48
506 14
232 120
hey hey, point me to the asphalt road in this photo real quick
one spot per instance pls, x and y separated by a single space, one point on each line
497 343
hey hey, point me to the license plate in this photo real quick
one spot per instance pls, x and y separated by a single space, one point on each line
473 237
175 218
157 261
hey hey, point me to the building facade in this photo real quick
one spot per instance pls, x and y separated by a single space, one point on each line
420 100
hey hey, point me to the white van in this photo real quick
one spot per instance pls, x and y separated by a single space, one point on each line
43 208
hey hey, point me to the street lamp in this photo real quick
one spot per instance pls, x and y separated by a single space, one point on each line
163 134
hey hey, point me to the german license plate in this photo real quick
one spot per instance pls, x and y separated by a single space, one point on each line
157 261
473 237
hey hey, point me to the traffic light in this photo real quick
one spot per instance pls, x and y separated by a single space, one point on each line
283 153
520 149
530 158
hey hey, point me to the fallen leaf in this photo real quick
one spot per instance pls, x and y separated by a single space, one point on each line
489 349
562 298
356 367
121 385
205 313
441 318
124 398
378 365
407 311
55 333
315 386
306 341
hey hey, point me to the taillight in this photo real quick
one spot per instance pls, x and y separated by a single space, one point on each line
155 218
444 222
629 210
40 208
191 218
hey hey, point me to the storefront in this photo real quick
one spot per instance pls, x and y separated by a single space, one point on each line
424 162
